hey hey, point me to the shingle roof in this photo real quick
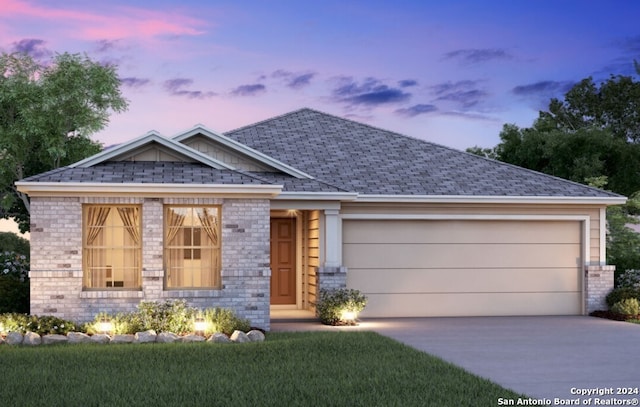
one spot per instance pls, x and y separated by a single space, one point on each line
148 172
361 158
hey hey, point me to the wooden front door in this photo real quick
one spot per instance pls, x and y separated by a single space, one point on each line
283 261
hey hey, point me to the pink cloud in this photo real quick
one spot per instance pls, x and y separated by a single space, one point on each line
118 22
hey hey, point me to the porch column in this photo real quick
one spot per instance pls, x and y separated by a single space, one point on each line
598 283
332 238
331 275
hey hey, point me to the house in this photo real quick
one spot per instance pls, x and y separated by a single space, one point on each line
265 216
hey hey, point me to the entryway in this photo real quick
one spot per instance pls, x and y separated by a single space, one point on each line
283 261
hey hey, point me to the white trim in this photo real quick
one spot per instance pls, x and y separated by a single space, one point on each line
492 199
603 236
241 148
318 196
380 216
277 204
143 189
151 137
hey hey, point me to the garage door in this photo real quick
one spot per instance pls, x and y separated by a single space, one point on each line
465 267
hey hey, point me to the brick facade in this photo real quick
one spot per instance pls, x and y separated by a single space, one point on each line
598 282
56 260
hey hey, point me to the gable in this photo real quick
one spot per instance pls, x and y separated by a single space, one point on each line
153 152
226 155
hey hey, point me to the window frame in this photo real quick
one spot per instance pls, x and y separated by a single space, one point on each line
87 269
216 249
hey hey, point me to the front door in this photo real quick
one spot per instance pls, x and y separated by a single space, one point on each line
283 261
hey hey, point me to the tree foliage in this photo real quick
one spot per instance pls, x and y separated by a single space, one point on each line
592 136
47 114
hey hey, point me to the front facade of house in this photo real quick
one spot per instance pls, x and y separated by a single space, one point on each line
265 216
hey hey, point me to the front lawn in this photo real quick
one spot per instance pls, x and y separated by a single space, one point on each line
288 369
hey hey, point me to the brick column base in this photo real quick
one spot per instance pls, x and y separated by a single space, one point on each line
331 278
598 282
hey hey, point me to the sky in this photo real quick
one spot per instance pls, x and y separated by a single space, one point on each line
450 72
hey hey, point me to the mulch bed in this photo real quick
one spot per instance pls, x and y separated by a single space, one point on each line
612 315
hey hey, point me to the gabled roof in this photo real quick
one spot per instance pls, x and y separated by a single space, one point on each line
200 129
386 165
150 138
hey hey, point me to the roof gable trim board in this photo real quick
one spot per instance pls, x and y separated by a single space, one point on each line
151 137
140 189
242 149
599 200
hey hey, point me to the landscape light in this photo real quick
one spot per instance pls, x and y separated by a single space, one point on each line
200 325
106 326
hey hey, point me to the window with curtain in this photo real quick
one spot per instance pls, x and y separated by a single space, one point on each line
112 247
192 247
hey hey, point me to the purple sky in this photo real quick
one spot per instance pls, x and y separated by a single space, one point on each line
452 72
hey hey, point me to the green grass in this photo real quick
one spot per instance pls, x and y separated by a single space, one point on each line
288 369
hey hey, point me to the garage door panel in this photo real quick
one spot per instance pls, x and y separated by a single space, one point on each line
398 256
465 267
463 231
475 304
464 280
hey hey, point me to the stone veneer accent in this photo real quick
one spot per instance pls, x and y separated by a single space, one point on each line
598 282
56 259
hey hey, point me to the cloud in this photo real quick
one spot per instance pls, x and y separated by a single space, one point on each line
475 56
416 110
132 82
405 83
33 47
294 80
543 88
106 45
630 44
110 23
249 90
371 92
465 94
175 88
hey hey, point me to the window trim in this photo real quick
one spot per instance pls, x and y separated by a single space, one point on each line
86 272
216 276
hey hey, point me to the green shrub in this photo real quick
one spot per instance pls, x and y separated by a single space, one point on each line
169 316
11 242
333 303
629 279
223 320
42 325
619 294
630 306
14 282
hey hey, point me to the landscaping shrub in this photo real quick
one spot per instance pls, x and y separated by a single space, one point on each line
42 325
223 320
630 306
169 316
619 294
332 304
629 279
11 242
14 282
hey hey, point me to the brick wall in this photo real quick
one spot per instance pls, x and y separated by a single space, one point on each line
598 283
56 259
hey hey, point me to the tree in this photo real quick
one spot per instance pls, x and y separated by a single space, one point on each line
47 114
592 136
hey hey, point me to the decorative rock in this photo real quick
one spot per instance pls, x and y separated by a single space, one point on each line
193 338
239 337
128 338
255 336
146 336
31 339
219 337
78 337
167 337
54 338
100 338
14 338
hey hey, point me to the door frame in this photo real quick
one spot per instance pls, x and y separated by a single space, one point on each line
297 215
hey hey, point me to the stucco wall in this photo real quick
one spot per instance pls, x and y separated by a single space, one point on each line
56 259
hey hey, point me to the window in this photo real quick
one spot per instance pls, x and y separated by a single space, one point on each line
112 250
192 247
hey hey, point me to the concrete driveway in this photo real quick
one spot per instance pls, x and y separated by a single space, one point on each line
541 357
